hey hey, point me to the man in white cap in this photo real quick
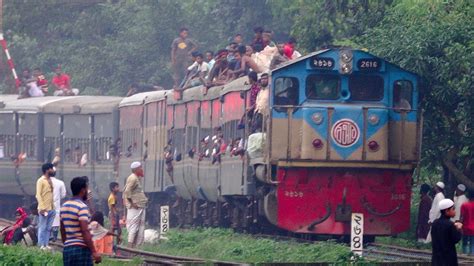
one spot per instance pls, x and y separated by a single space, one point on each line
135 202
445 235
459 199
434 211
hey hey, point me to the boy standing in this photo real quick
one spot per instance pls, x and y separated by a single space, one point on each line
114 215
445 234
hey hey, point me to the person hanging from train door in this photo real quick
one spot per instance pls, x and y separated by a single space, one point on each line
445 234
45 197
136 202
262 109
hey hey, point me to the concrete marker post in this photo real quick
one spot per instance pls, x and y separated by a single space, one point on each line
357 233
164 221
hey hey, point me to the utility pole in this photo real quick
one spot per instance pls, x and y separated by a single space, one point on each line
1 16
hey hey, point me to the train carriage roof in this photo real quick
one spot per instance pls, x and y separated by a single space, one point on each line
299 59
140 98
157 96
5 98
289 64
196 93
33 105
84 105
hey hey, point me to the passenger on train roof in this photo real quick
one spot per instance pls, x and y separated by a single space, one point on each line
238 39
278 58
62 84
267 39
197 72
257 43
181 48
210 59
244 64
220 73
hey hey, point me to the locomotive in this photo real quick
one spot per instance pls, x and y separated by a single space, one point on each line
343 136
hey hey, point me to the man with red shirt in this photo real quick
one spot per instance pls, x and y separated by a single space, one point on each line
62 83
41 81
289 48
467 218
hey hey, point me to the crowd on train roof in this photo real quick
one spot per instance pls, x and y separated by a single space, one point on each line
191 65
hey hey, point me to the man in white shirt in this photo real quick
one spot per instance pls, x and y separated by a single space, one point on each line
262 108
33 89
435 212
197 72
459 199
59 193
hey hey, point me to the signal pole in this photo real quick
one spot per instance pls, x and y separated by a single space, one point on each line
1 16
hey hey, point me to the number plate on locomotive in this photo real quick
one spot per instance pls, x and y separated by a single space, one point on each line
369 64
322 63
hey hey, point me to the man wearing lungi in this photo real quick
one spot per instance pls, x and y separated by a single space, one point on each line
135 202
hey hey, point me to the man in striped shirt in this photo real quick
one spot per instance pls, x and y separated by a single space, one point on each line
78 246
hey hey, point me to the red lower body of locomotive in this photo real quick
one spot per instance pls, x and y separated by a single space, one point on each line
321 200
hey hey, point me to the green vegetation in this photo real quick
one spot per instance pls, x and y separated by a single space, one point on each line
225 245
32 256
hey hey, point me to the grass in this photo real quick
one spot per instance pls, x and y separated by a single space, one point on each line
225 245
33 256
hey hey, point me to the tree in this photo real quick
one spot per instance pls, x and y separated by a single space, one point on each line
324 22
434 39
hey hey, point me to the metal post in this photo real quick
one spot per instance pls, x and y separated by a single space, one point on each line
1 16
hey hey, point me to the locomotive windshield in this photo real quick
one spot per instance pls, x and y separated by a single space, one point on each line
402 94
286 91
366 88
323 87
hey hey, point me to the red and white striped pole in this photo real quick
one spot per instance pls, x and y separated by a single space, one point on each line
9 60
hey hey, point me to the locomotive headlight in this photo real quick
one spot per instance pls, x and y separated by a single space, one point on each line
373 120
346 56
346 68
317 118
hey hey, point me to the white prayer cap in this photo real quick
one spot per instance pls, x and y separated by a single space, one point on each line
440 185
445 204
135 165
462 187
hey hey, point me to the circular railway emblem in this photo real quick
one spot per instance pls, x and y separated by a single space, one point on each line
345 133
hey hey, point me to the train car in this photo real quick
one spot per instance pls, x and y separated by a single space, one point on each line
83 130
79 131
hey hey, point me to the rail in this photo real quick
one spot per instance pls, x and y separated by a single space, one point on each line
392 253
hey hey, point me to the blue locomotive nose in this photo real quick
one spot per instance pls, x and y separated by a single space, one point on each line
345 132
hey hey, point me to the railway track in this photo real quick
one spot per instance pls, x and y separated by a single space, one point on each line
392 253
151 258
373 252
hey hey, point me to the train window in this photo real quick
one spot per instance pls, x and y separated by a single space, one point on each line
286 91
366 88
402 94
323 87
